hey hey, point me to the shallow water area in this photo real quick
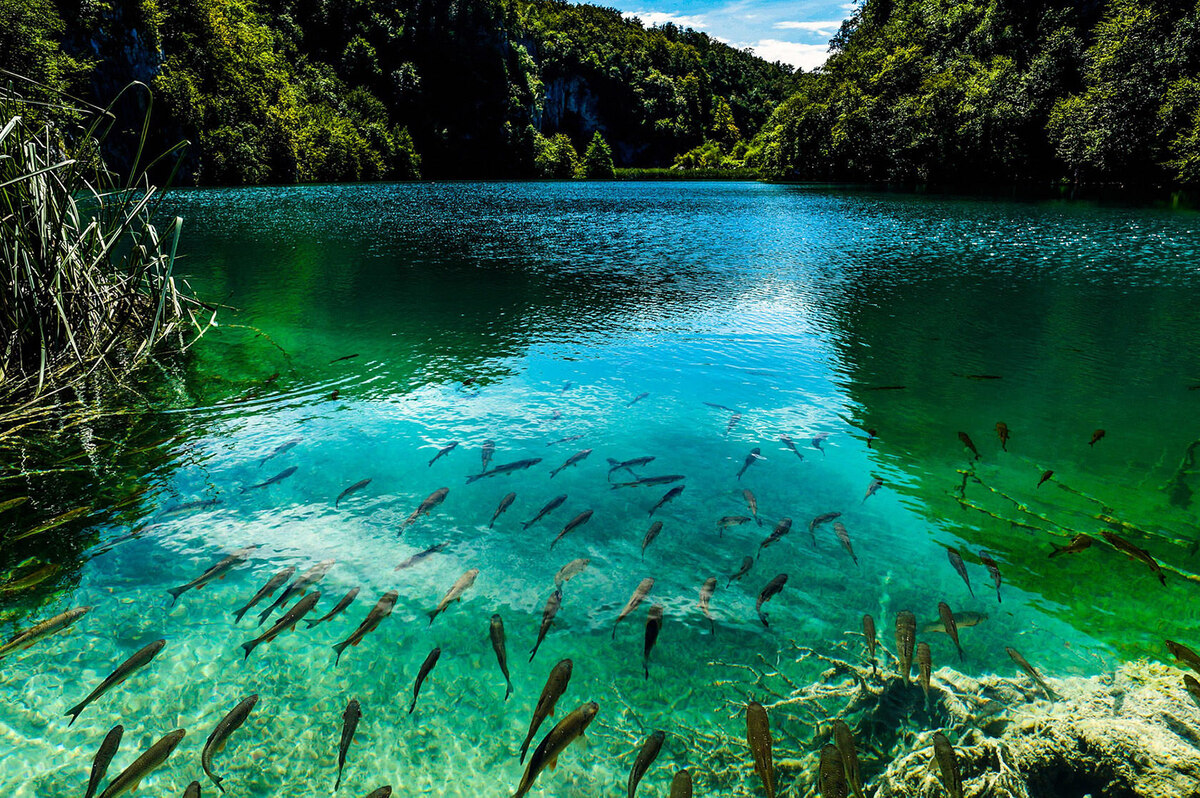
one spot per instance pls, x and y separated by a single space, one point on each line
371 326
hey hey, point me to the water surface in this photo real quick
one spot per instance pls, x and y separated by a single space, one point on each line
533 313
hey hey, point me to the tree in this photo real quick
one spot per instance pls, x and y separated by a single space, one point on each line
598 160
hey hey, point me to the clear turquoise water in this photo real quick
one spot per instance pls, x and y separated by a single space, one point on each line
470 307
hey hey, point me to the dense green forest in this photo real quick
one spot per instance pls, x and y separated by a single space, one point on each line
287 90
1003 91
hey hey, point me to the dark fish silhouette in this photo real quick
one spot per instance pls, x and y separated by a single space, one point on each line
758 735
650 535
343 357
1002 433
654 621
681 785
791 445
844 536
627 465
645 758
126 669
1024 665
569 570
104 756
1097 435
350 719
731 410
782 528
280 477
947 618
831 773
507 468
924 667
639 594
1077 544
270 587
668 496
421 555
573 524
426 667
486 453
556 685
731 520
445 450
548 751
773 587
637 399
755 454
548 612
993 569
280 449
947 762
152 759
1045 476
578 457
568 439
1134 553
505 503
733 420
310 577
455 593
357 486
823 518
875 485
499 645
706 591
220 736
843 738
286 622
966 441
550 507
382 609
649 481
752 503
432 501
906 636
747 564
869 636
818 440
956 561
217 571
961 620
344 602
1184 654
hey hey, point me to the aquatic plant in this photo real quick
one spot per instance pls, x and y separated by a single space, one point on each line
87 280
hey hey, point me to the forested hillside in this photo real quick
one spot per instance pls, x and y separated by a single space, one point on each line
287 90
1005 91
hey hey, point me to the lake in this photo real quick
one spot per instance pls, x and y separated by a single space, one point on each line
364 329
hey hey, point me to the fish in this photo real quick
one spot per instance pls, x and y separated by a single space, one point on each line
350 719
30 578
1134 553
217 571
868 624
831 773
1183 654
192 790
1002 433
747 564
569 570
752 503
758 736
823 518
574 459
454 593
548 612
144 765
486 453
773 587
280 477
706 591
333 397
818 440
637 399
286 446
967 442
843 738
668 496
844 536
566 386
681 785
548 751
551 506
947 762
871 435
568 439
1193 687
505 503
956 561
297 588
104 756
979 376
445 450
421 555
648 481
342 604
504 470
782 528
791 445
994 570
755 454
270 587
1097 435
496 633
1032 672
654 622
13 503
924 667
573 524
961 619
906 635
286 622
47 628
1077 544
343 357
875 485
556 685
716 406
1045 476
650 535
357 486
727 521
947 618
220 736
431 501
178 509
639 593
627 465
426 667
383 792
644 759
382 609
733 421
139 660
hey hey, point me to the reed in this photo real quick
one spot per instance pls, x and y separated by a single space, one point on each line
87 278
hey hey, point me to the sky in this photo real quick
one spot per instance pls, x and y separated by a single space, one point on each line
796 32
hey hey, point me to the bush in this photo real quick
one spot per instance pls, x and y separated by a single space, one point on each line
598 160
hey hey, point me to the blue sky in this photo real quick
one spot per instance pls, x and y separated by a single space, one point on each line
796 32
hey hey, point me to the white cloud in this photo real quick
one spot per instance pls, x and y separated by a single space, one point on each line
820 27
849 7
808 56
652 18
